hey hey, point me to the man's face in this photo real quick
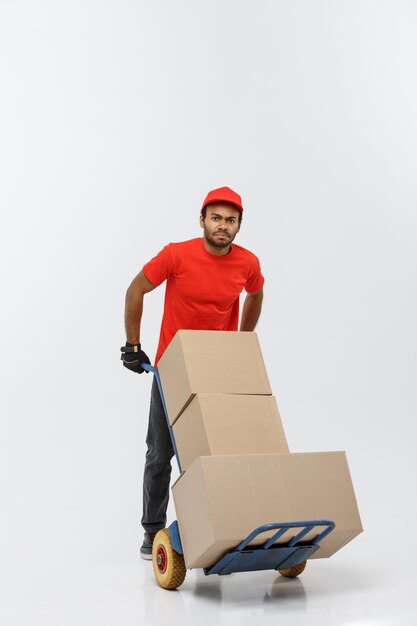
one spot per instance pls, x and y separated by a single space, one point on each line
221 224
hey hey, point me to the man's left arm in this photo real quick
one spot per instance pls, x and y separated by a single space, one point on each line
251 311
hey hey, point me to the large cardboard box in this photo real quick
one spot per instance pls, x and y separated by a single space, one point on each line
219 500
214 424
210 361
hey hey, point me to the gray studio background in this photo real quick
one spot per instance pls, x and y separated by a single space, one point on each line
116 119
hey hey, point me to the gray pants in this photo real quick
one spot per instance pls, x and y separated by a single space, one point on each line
157 471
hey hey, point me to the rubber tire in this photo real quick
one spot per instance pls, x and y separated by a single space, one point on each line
293 572
175 571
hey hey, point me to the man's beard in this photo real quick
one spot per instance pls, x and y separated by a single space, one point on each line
218 243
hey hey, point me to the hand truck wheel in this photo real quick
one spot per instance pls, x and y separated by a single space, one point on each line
293 572
168 566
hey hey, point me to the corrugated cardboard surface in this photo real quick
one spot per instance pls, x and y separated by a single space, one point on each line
214 424
219 500
210 361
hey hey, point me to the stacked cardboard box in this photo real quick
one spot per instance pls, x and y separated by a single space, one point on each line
238 472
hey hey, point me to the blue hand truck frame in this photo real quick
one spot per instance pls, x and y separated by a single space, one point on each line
268 555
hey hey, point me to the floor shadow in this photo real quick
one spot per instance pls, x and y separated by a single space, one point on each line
287 590
250 589
208 588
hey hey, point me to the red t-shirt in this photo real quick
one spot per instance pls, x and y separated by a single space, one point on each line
202 290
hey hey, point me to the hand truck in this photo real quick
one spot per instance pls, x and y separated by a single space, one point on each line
288 557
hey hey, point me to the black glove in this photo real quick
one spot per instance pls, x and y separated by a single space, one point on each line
133 356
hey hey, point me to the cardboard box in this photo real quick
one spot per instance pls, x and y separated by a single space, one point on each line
219 500
210 361
215 424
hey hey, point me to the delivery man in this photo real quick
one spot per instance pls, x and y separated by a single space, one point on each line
205 277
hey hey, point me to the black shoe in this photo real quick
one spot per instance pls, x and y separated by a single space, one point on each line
146 549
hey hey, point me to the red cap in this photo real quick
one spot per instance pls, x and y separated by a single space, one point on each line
224 194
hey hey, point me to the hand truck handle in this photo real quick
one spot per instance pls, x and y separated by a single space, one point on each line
149 368
154 370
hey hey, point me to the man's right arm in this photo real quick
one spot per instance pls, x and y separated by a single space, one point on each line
132 354
134 306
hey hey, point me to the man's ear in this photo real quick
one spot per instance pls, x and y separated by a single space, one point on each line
201 221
